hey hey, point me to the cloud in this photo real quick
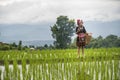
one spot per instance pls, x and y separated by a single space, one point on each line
8 2
39 11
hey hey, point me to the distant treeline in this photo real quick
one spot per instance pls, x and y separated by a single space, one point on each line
100 42
14 46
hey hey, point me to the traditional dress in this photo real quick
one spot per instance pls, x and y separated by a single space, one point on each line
80 31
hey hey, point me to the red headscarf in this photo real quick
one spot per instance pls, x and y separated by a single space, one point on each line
78 21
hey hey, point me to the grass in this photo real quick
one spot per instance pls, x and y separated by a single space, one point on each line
98 64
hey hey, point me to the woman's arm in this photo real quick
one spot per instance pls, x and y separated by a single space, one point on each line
77 31
84 30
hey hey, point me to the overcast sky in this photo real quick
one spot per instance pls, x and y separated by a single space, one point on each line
35 11
39 12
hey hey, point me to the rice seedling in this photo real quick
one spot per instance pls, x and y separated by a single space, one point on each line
97 64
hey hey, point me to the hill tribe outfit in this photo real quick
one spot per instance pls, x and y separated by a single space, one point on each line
80 31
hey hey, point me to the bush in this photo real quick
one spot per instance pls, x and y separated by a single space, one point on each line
5 47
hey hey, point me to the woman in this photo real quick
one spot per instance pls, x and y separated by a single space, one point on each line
81 32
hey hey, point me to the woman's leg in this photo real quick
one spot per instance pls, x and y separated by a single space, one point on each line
83 44
78 52
83 50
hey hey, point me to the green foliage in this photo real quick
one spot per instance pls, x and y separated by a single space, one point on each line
12 46
20 45
0 74
5 47
100 42
46 46
62 31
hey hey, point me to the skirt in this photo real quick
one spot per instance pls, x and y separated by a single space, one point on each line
80 42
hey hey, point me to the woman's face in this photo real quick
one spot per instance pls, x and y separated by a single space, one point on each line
80 24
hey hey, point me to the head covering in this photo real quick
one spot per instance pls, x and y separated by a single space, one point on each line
79 21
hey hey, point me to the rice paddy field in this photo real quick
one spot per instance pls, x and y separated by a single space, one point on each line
96 64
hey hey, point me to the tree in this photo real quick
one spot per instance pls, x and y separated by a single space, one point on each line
14 45
51 47
62 31
100 42
111 39
31 46
45 46
20 45
5 47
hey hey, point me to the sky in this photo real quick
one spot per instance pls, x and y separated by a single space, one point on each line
31 19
